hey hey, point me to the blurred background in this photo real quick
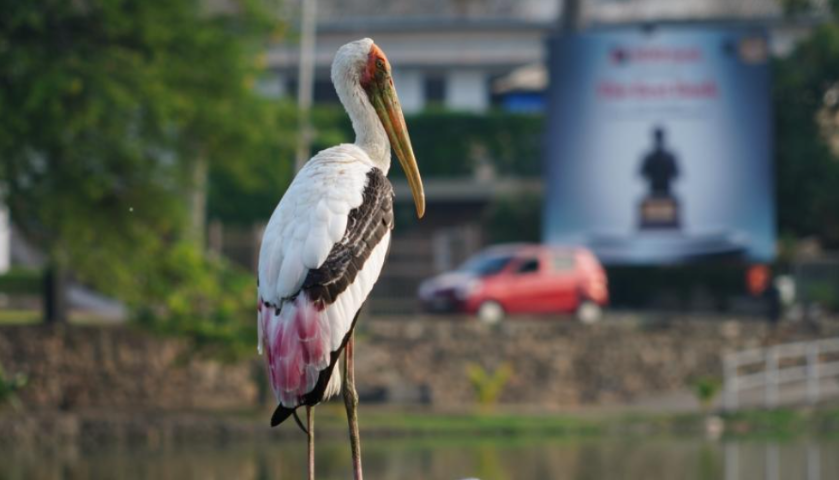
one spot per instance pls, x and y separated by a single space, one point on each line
628 268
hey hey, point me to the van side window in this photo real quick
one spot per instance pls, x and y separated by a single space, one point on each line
562 262
529 265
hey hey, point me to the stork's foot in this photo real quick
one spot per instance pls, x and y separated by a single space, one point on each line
351 402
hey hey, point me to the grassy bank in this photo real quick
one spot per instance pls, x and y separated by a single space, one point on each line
96 428
781 423
425 423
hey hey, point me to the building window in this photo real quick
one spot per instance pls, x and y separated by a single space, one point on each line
323 92
434 90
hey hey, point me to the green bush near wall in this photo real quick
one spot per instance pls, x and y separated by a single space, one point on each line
21 282
824 293
453 144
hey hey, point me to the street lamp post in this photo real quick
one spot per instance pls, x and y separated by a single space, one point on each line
305 81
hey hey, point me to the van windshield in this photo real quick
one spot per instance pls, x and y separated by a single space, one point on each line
485 265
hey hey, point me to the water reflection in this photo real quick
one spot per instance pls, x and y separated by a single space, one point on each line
495 459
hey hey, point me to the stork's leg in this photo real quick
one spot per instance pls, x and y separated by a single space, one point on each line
351 402
310 427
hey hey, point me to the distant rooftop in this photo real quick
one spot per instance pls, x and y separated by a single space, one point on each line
498 35
422 13
341 10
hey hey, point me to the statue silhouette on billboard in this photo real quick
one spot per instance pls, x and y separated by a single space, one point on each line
659 209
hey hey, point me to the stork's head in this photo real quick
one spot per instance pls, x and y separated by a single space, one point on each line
364 64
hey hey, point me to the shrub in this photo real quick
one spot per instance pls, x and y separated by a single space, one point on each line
21 281
825 294
205 299
488 386
449 144
706 389
10 387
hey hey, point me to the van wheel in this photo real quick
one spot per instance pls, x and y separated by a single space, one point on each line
490 312
589 312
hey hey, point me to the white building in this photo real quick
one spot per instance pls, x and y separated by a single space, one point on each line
460 54
437 62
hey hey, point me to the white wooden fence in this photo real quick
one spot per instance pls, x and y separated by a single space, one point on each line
799 369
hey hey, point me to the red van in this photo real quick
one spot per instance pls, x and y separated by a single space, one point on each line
521 279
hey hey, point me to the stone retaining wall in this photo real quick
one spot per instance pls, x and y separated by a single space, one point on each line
555 363
118 367
552 363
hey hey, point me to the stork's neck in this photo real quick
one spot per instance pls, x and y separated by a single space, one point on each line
369 133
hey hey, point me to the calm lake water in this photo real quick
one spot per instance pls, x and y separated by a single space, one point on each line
449 459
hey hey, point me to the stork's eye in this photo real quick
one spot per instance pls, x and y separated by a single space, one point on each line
380 64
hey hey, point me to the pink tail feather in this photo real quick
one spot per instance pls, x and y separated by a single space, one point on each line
297 346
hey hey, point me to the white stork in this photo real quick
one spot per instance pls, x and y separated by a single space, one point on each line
326 242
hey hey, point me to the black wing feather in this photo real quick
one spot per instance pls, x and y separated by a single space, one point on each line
366 226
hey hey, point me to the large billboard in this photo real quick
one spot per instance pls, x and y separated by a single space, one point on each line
659 144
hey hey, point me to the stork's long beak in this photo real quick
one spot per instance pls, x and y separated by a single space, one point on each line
386 102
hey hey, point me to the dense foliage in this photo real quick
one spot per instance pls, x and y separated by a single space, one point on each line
807 169
107 106
20 282
249 193
452 144
204 299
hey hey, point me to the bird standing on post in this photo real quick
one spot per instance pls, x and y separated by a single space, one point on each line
326 242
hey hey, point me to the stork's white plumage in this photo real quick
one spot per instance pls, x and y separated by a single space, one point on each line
311 221
327 240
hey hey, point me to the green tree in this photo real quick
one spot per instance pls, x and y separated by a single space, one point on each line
807 168
247 193
110 113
